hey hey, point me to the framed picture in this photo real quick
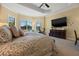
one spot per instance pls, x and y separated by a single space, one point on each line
11 21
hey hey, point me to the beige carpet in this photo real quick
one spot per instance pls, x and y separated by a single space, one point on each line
67 47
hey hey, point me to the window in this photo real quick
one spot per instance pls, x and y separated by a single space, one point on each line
26 24
11 21
23 24
29 25
38 25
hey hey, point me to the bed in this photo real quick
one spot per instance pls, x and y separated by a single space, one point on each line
32 44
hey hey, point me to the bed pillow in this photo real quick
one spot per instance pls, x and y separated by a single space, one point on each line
21 32
15 31
5 34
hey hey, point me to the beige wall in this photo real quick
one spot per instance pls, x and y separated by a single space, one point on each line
4 13
33 19
72 22
72 15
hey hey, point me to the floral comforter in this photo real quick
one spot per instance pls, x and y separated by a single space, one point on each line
31 44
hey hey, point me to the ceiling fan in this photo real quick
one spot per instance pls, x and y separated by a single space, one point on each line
45 5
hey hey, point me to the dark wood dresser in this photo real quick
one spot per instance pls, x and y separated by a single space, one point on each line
58 33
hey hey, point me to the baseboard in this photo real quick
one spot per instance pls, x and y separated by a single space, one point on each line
69 38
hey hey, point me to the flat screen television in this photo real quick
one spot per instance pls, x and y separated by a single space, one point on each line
59 22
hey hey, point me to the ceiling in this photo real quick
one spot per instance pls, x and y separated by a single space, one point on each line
32 9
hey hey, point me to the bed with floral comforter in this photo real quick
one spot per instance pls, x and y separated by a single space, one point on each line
32 44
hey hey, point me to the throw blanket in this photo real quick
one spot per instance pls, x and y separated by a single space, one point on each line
30 44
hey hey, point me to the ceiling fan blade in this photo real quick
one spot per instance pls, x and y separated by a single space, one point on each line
41 5
47 5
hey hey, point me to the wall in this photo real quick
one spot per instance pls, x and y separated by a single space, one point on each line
4 13
72 22
33 19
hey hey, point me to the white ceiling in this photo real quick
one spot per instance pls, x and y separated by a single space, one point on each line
22 10
57 7
32 9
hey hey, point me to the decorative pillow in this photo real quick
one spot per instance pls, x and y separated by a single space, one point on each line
15 31
5 34
21 32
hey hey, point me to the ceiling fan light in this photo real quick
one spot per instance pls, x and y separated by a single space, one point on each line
44 4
